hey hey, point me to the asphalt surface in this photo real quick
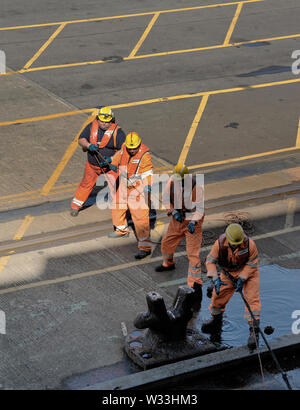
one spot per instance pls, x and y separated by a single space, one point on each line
209 83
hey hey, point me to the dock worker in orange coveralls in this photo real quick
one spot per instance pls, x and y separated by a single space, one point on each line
186 222
133 163
105 136
237 256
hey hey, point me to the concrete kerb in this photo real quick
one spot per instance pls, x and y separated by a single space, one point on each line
174 373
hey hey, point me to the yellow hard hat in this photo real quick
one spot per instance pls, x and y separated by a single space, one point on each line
235 234
181 170
105 114
133 140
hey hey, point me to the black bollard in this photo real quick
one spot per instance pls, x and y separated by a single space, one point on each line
164 337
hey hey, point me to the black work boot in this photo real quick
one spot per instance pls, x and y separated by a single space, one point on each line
162 268
197 297
253 335
142 254
74 212
214 325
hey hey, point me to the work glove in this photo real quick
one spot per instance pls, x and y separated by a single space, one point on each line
177 215
217 284
191 227
239 285
93 147
113 168
107 161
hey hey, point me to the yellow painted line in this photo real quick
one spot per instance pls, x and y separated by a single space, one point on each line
18 236
233 24
154 100
193 128
214 47
23 228
44 46
128 15
252 156
135 57
298 135
65 159
62 188
3 262
144 35
46 117
38 195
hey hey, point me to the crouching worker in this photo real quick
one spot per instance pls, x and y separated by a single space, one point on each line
102 135
237 257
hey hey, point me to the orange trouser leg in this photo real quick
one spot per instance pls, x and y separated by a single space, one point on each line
219 302
119 219
140 216
171 240
251 293
193 247
85 187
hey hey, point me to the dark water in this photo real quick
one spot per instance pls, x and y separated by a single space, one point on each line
280 296
279 292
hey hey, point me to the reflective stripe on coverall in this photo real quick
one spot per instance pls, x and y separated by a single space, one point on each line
178 230
91 172
139 170
248 271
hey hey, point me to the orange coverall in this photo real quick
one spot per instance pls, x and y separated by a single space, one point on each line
178 230
109 142
249 272
139 171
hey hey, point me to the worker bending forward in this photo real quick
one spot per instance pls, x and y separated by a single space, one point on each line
102 135
183 200
237 256
133 162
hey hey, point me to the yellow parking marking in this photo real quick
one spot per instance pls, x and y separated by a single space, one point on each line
72 147
191 134
298 135
44 46
192 50
23 228
165 53
18 236
252 156
154 100
35 193
46 117
233 24
65 159
143 37
129 15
